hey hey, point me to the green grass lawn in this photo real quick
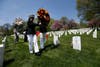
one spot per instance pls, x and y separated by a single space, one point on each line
1 39
17 55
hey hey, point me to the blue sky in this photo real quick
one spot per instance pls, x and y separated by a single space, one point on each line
10 9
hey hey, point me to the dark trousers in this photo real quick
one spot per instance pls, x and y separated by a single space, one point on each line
25 38
16 38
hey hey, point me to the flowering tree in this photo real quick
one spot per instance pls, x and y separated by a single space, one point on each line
72 24
56 25
94 23
64 20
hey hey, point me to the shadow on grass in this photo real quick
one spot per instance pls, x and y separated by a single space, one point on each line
8 50
17 43
49 47
7 62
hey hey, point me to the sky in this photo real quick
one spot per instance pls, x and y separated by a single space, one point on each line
11 9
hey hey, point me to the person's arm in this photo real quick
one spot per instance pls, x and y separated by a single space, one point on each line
47 17
36 24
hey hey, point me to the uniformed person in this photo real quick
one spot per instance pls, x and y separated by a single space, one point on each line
43 20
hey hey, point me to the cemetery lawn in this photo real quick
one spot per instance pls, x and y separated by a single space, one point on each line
0 39
17 55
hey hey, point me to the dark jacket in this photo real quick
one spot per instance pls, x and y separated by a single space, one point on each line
43 28
44 23
31 28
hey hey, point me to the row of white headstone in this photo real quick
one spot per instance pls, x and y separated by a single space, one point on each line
2 46
66 32
73 31
76 40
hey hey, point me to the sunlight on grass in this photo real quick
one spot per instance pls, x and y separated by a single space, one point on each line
17 55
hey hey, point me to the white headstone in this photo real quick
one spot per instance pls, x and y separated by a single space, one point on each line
95 34
89 31
50 34
69 32
1 54
80 32
56 40
65 33
59 35
75 32
76 42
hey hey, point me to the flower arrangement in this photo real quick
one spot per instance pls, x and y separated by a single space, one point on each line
43 15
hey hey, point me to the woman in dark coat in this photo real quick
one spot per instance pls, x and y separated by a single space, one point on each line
31 34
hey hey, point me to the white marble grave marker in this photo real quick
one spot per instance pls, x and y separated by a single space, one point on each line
76 42
95 34
65 33
55 39
1 54
69 31
50 34
88 32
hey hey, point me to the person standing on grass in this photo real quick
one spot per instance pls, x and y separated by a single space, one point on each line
43 20
18 22
31 34
16 36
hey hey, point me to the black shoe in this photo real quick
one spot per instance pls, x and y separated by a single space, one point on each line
38 54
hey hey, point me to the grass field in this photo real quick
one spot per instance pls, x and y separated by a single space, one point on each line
1 39
17 55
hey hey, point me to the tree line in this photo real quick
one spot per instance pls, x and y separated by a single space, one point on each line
62 24
89 11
